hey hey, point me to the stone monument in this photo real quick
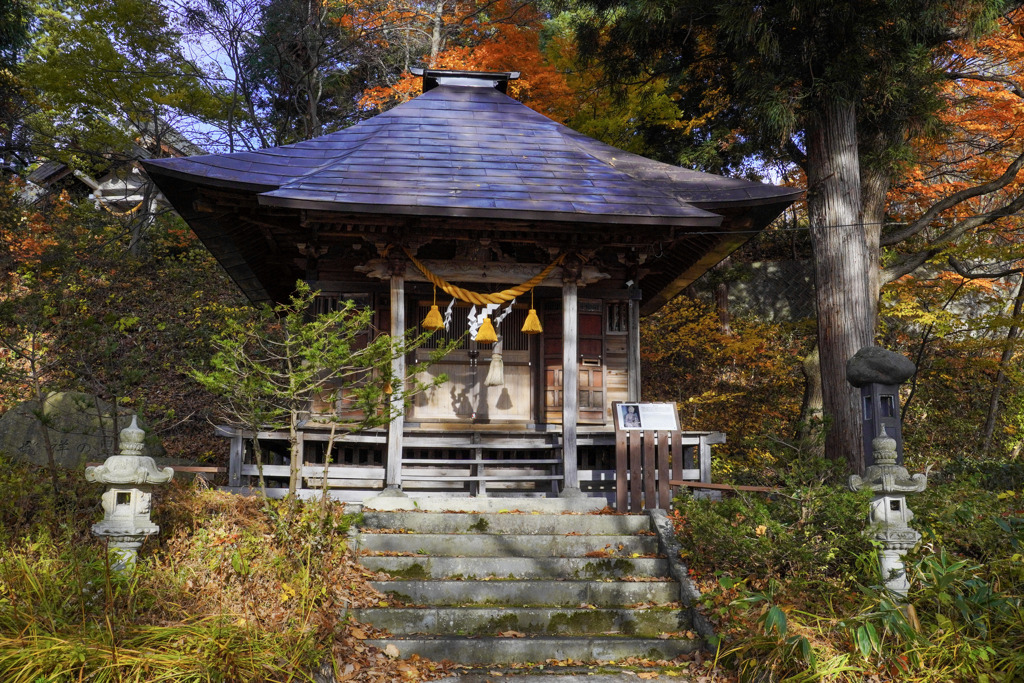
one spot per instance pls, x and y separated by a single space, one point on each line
127 502
890 515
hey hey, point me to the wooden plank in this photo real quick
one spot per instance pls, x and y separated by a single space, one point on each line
621 470
199 469
268 471
480 477
511 445
664 463
677 457
705 460
343 472
650 448
409 462
236 454
393 479
635 472
723 487
570 383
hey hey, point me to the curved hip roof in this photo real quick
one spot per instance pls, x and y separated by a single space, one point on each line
468 151
464 155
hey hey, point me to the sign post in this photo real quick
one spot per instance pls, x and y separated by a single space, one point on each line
648 451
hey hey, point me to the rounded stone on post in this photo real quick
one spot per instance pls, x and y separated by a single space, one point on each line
127 502
878 372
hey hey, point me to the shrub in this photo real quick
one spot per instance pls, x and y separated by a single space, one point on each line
804 535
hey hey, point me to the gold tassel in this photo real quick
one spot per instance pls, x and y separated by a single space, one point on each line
532 324
486 333
433 322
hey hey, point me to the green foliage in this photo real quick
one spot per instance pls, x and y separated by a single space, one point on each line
807 535
136 81
955 330
67 280
271 365
783 615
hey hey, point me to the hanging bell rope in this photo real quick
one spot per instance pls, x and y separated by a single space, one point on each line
483 299
496 369
486 334
532 323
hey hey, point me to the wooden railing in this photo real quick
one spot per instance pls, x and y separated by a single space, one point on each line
649 463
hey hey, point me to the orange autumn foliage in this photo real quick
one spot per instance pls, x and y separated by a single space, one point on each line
981 126
506 38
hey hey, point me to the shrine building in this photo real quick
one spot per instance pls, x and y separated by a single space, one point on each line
460 193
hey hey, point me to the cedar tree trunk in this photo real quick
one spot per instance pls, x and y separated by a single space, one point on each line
841 266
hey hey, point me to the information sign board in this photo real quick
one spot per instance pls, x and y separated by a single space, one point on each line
647 416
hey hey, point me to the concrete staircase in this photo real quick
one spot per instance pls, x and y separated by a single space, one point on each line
496 588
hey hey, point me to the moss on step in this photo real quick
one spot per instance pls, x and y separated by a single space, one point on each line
480 526
586 621
414 571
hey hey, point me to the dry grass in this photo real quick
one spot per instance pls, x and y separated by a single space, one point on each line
233 589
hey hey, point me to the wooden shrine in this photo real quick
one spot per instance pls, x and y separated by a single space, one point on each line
465 186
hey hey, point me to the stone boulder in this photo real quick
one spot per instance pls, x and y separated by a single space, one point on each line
875 365
82 428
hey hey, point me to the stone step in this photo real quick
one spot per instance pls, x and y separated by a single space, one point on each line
447 505
539 649
509 545
425 567
508 523
518 593
534 620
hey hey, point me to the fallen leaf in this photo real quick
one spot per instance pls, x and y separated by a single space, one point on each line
511 634
647 675
391 651
358 634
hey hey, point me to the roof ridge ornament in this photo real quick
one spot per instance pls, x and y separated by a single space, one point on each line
474 79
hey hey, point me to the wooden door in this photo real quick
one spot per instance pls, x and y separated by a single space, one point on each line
592 391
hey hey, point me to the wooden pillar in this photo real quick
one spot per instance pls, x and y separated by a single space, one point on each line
570 381
236 456
633 345
393 466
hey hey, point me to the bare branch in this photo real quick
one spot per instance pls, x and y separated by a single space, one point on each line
1012 85
936 209
912 262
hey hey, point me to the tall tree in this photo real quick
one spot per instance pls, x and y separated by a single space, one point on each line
830 85
14 38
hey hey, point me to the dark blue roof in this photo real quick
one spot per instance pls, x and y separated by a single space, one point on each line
472 152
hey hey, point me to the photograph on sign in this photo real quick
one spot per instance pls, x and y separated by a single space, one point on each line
629 416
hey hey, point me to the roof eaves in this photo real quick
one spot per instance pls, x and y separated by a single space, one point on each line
698 219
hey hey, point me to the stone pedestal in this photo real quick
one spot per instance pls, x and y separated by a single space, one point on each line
127 502
890 516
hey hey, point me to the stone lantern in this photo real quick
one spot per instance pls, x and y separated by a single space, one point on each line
878 373
127 501
890 515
